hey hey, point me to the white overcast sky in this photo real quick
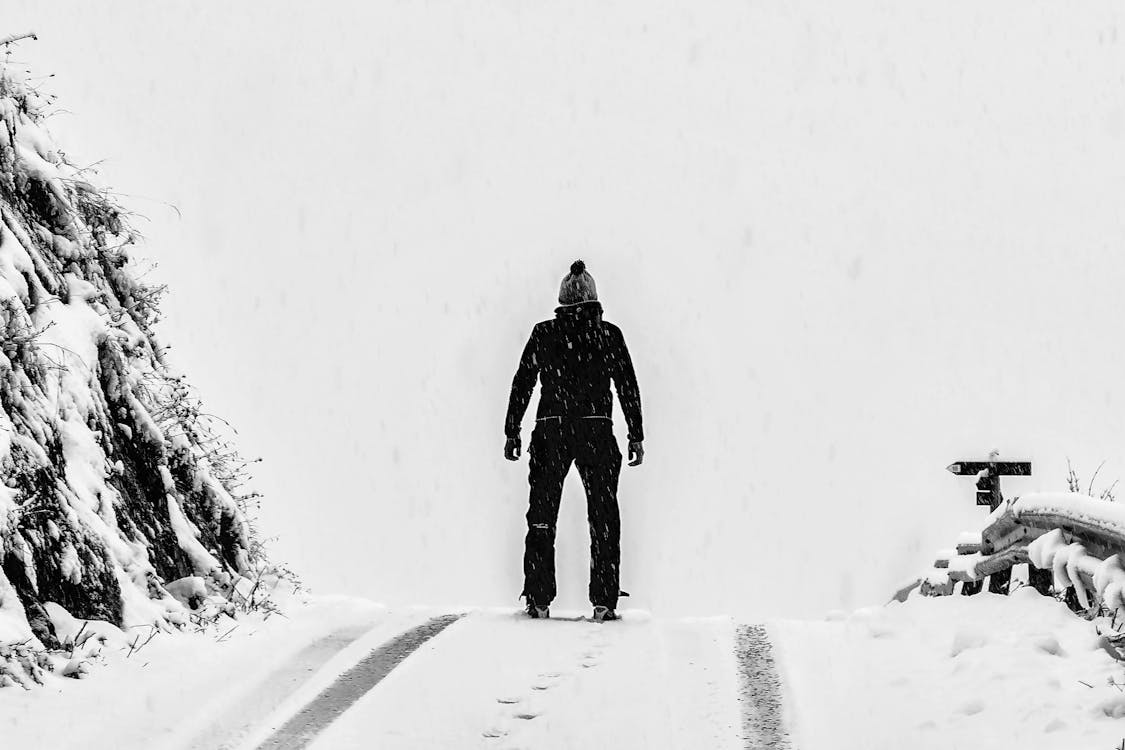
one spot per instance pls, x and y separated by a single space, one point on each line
848 243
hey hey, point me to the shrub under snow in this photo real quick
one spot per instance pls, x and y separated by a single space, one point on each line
117 502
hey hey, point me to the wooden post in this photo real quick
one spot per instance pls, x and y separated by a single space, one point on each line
1041 580
999 581
988 493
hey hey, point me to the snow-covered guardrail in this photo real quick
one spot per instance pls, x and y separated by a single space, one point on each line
1073 542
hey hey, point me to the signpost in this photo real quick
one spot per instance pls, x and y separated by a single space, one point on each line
988 475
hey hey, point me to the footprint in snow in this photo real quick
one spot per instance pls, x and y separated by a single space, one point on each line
526 715
1048 644
971 707
495 733
1055 725
508 700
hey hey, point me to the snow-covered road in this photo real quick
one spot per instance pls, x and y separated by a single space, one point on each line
497 680
985 672
335 672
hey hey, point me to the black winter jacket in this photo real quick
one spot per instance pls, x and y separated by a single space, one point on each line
576 355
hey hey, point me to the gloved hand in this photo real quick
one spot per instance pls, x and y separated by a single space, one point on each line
512 449
636 453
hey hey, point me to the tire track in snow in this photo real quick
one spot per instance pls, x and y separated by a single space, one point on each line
229 729
763 726
338 697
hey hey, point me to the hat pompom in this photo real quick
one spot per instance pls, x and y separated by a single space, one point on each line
578 268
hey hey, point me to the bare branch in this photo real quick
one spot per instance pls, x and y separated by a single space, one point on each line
1090 490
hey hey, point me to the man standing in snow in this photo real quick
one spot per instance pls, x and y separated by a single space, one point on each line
575 356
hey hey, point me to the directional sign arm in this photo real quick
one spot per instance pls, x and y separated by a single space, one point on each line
999 468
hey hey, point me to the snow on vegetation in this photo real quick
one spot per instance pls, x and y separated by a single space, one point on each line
985 671
119 505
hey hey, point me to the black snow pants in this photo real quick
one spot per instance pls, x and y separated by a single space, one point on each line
590 444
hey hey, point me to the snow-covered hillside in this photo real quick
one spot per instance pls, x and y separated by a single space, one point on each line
117 501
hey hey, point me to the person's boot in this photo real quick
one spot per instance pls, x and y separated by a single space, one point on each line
603 614
538 612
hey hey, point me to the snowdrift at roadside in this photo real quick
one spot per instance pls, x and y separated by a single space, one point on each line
985 671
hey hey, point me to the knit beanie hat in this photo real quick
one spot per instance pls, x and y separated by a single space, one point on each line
577 286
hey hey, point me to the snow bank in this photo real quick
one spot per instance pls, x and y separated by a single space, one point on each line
985 671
